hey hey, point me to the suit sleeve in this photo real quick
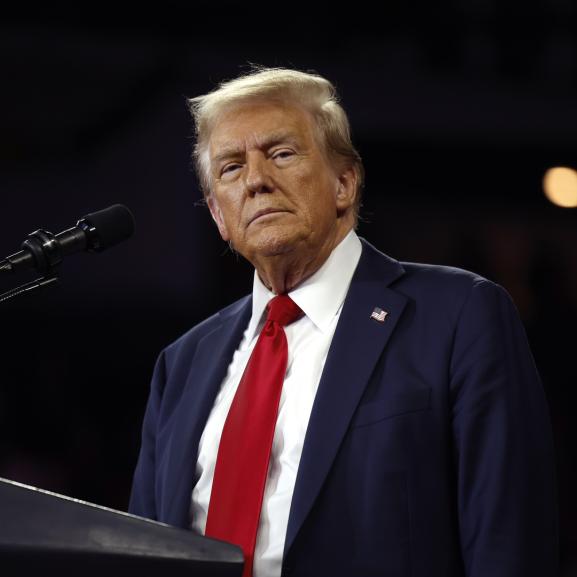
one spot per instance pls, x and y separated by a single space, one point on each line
143 495
502 443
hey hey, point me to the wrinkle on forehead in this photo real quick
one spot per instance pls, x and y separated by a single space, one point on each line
294 126
257 142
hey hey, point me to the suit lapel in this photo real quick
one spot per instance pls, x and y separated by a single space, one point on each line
209 365
356 347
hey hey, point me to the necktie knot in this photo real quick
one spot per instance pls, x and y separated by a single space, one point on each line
283 310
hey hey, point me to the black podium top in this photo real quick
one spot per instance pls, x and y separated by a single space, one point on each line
42 533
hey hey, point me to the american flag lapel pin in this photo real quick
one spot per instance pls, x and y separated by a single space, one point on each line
379 315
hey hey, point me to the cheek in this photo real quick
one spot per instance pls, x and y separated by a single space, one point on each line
231 206
226 212
319 199
312 190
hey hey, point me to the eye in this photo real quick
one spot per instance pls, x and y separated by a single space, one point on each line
283 154
229 168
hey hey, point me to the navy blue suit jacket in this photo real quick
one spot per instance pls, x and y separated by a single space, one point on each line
428 452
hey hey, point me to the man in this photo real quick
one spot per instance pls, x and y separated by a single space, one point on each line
411 436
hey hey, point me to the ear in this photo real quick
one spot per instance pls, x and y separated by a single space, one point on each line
346 189
216 214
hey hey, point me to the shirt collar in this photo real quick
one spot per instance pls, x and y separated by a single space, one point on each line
320 296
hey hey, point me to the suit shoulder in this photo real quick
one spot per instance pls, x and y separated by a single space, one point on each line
448 286
413 275
442 275
435 287
189 340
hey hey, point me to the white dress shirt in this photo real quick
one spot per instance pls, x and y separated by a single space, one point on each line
321 299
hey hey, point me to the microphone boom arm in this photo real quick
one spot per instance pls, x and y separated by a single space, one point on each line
27 288
47 256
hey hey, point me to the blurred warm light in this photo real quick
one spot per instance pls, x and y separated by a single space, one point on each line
560 185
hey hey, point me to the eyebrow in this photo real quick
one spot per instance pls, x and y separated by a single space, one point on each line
268 141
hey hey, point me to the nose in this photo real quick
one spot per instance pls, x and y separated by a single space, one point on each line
258 178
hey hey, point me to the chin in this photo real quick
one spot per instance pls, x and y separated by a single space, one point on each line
275 243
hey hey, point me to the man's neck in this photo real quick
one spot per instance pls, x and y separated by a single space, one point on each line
284 272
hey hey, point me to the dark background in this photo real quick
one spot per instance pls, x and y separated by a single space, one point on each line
457 108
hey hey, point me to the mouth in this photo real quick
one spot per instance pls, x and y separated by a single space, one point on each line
264 212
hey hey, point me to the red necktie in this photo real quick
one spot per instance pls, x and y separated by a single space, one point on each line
246 441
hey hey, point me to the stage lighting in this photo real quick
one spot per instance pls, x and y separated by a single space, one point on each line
560 186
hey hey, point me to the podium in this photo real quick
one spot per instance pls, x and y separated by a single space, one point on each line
42 533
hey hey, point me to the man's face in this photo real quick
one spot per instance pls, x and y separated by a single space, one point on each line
273 190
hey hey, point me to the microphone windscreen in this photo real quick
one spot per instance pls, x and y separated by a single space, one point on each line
112 225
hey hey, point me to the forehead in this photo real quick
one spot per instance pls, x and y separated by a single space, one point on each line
258 124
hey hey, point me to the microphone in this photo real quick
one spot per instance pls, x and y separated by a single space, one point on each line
94 232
